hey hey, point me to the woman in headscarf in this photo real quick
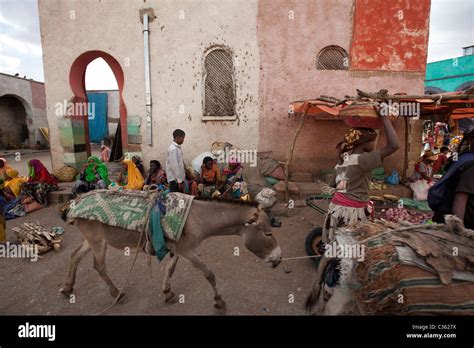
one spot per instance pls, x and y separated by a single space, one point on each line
95 175
138 163
231 171
156 175
350 203
40 182
13 182
4 166
130 177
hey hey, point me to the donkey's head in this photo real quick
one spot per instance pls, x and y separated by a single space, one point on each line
258 238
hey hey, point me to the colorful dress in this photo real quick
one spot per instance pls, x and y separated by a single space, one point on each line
15 182
134 179
95 176
40 182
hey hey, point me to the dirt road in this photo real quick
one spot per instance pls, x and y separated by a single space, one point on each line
248 286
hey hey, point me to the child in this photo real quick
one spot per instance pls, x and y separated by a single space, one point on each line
174 162
210 177
105 153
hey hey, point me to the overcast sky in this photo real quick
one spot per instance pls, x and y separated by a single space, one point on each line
451 28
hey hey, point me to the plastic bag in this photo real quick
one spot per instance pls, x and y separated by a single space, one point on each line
378 174
420 190
266 198
393 179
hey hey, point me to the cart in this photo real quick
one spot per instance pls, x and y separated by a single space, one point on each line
315 235
313 246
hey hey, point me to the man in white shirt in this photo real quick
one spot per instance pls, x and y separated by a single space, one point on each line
175 163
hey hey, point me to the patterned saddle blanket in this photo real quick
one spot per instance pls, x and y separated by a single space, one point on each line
131 210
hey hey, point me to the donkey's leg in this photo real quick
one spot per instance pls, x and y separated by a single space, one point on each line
76 257
170 267
211 278
100 248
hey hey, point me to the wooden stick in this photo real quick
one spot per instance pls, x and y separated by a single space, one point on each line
383 95
405 158
290 153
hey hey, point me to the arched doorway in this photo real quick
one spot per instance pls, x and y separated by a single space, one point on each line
103 97
14 131
77 82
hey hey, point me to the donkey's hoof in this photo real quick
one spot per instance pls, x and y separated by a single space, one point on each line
220 305
170 297
66 292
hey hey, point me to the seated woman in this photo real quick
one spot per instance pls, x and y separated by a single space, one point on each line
130 177
13 182
94 175
230 173
423 167
40 182
138 163
156 175
211 180
4 166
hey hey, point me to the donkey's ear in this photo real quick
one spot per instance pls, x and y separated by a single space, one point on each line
253 219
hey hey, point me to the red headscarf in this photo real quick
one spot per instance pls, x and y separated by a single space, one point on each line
39 173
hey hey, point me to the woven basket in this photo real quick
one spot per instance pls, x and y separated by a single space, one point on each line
66 174
361 115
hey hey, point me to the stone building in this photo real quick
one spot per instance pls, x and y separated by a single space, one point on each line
22 112
227 70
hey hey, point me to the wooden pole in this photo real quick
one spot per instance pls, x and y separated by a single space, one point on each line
405 159
289 157
383 94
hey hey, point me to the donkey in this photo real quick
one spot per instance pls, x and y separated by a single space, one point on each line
206 218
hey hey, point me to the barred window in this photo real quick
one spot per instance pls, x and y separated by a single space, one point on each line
219 92
332 58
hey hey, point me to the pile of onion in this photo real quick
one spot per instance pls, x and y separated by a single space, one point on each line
401 214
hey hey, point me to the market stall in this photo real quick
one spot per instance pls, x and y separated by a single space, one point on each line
446 107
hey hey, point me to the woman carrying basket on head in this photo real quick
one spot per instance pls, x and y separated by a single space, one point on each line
350 203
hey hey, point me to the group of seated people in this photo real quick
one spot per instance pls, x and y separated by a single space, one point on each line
209 182
20 195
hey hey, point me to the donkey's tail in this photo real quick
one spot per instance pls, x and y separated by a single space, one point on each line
318 284
313 296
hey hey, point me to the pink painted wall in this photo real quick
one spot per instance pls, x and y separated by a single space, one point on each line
288 50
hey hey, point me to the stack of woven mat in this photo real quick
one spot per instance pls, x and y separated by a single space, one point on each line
414 269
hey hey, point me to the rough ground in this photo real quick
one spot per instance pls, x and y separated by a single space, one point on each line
248 286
